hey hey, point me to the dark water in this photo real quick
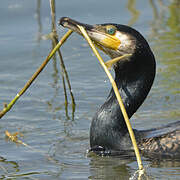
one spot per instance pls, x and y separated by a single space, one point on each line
58 140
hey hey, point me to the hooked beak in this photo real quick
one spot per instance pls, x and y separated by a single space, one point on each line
97 33
72 24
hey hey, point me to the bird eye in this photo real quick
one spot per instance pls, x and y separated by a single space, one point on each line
111 30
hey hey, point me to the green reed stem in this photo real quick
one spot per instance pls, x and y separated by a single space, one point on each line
30 81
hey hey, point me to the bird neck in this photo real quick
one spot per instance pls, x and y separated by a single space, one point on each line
134 80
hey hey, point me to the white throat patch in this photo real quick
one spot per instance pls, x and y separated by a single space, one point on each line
125 40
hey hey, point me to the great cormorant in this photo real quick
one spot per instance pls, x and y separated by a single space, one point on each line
134 77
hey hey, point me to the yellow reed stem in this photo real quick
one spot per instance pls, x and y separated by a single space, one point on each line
110 63
133 139
22 91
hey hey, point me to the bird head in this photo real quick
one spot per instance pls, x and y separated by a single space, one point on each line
113 39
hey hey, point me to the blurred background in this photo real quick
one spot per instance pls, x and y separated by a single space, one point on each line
56 130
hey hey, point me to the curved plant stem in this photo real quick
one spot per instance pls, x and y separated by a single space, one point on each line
64 73
133 139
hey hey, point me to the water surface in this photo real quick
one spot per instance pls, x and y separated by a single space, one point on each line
58 139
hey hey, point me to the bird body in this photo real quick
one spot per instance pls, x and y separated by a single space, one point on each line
134 77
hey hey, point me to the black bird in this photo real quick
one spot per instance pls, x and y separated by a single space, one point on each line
134 77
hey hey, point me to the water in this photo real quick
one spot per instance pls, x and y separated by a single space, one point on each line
58 141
